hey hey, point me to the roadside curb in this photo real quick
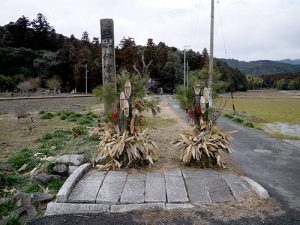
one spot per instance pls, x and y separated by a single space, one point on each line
260 190
67 187
44 97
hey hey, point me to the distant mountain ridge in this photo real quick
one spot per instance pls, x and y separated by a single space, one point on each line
263 67
290 61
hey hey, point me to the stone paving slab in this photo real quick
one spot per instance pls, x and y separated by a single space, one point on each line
219 190
198 191
134 189
171 206
87 188
155 188
130 207
65 190
174 172
54 208
118 191
176 191
237 186
112 187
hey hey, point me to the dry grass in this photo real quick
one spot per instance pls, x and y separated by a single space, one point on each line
16 135
268 106
252 206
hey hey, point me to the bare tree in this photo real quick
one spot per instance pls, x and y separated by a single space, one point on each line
54 83
24 86
35 82
144 71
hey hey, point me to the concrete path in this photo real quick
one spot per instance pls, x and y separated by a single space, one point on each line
118 191
270 161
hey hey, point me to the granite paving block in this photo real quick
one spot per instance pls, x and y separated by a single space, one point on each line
174 172
199 174
155 188
87 188
131 207
171 206
219 190
112 187
137 176
54 208
237 185
198 191
134 189
176 191
65 190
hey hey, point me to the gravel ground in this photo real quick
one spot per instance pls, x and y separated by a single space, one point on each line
48 104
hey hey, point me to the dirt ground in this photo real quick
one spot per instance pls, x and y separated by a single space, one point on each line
163 135
16 135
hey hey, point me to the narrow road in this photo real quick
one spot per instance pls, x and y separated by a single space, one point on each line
270 161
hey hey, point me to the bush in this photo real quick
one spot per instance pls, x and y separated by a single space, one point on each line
93 115
47 115
9 180
57 139
73 117
248 124
229 116
86 120
7 207
24 156
238 119
55 185
78 130
32 187
13 219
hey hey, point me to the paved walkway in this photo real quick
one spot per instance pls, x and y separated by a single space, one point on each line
118 191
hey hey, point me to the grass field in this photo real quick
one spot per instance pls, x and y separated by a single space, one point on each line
265 107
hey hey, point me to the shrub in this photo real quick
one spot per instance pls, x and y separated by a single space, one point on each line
7 207
24 156
93 115
13 219
73 117
248 124
228 115
86 120
55 185
32 187
47 115
238 119
57 139
9 180
78 130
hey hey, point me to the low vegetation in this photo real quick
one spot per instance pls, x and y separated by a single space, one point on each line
204 147
258 108
15 171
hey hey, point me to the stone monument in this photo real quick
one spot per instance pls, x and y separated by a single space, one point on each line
108 52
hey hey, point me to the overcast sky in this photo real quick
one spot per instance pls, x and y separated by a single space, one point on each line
247 29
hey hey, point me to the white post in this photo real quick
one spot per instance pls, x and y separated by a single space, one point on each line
211 53
184 78
86 78
187 73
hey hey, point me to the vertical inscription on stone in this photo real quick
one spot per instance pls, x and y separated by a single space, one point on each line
108 51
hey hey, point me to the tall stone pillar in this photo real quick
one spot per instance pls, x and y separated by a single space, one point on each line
108 60
108 51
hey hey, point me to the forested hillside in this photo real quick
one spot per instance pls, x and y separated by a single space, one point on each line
262 67
33 51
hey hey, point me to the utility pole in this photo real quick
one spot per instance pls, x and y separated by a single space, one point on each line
86 78
211 51
187 73
184 67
